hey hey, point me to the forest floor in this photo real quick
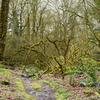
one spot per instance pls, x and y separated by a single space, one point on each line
63 90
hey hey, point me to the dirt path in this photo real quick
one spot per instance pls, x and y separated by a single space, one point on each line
47 94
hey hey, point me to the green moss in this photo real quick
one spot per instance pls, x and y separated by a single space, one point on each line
20 88
37 86
60 96
1 66
5 72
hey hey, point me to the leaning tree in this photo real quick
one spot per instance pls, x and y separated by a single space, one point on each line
3 25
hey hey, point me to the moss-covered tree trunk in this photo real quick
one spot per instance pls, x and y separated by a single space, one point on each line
3 25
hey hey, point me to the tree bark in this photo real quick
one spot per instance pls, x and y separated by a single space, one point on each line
3 25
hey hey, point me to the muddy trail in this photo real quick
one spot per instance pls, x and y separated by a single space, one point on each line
46 94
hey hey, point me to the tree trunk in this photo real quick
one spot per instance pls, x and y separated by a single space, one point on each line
3 25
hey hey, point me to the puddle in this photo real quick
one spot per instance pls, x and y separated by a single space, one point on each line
47 94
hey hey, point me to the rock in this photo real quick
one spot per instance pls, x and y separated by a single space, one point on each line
37 86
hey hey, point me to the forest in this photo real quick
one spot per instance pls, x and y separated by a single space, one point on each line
49 49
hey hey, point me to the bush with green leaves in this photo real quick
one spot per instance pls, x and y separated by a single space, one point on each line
89 67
